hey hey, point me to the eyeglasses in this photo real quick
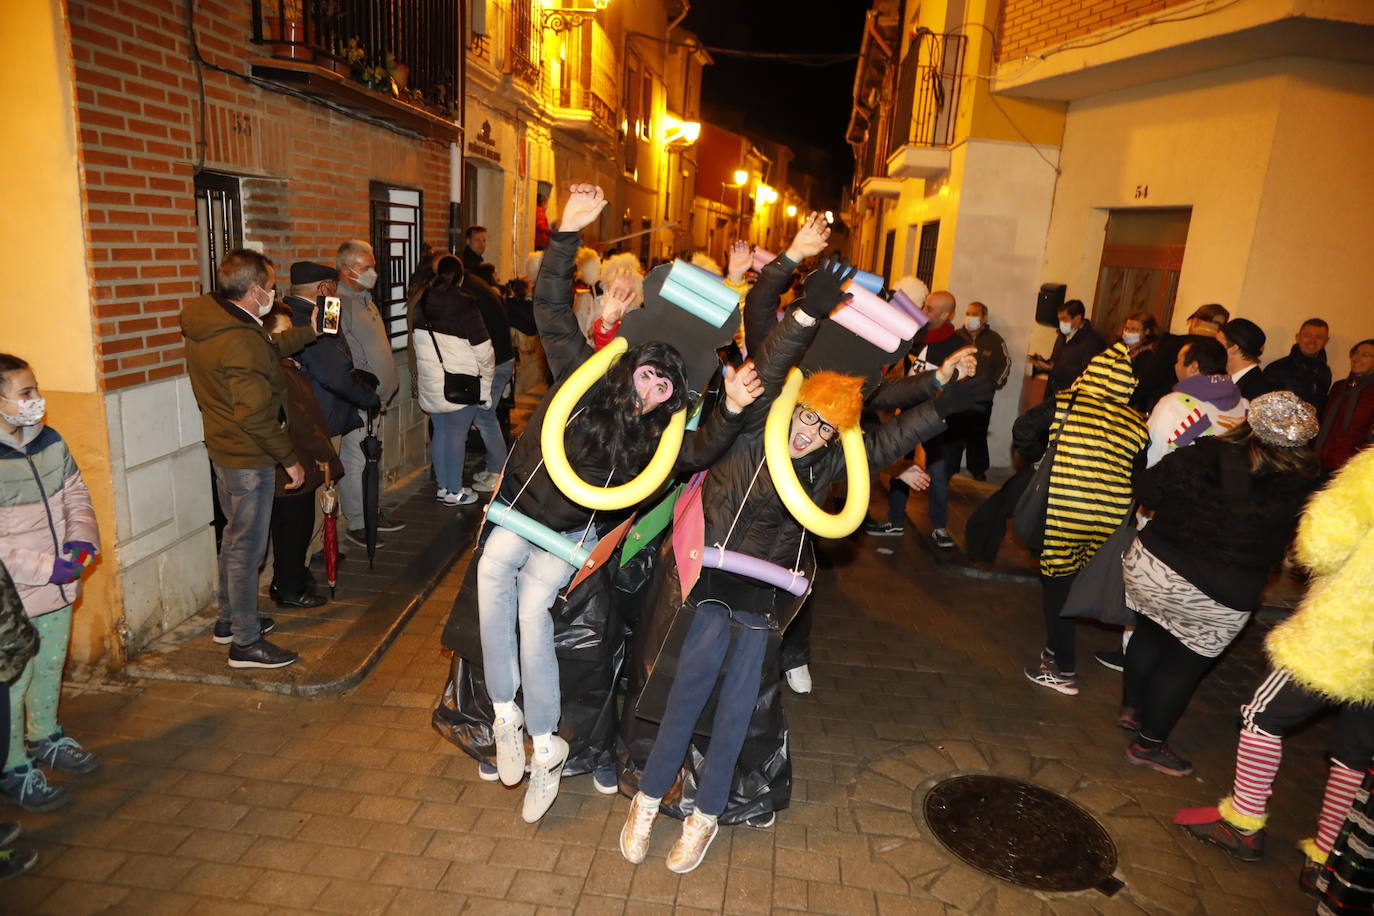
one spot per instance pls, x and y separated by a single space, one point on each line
809 417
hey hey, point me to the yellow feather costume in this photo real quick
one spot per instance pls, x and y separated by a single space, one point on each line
1328 644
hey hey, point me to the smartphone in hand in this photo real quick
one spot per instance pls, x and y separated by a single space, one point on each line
330 309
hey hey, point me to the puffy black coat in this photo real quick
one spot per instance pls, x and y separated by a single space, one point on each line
1309 377
526 484
742 509
1224 546
340 390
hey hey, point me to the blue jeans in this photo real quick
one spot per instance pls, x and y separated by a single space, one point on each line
703 655
488 425
245 496
518 582
938 452
450 446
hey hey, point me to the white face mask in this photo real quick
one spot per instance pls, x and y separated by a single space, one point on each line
1130 338
31 412
1065 328
973 324
265 302
367 278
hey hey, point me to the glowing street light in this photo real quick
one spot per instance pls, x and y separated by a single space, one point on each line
791 210
741 176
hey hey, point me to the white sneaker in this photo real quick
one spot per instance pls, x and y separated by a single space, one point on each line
799 679
546 772
463 497
509 737
639 824
691 845
485 482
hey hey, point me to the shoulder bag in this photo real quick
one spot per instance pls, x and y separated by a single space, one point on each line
459 387
1028 518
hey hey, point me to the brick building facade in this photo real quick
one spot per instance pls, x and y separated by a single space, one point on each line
192 139
1032 25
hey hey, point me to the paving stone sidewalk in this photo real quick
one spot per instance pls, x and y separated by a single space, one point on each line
216 799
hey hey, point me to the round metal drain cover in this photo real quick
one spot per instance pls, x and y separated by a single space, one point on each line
1022 833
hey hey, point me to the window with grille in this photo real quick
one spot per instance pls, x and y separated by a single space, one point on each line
397 241
925 252
219 221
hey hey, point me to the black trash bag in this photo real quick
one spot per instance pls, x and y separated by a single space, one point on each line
762 781
589 642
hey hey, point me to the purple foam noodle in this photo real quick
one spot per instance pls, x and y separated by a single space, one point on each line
752 567
913 311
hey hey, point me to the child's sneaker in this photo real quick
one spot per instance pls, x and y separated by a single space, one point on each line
62 754
27 787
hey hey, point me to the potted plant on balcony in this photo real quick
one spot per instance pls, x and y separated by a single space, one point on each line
285 21
399 73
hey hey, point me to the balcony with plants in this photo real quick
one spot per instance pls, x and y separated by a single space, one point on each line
399 62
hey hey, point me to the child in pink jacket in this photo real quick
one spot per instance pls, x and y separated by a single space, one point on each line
48 539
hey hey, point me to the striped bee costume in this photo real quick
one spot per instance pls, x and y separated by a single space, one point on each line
1090 482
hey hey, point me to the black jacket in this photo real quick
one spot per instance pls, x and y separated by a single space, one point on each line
1255 383
493 314
526 484
340 390
1071 356
1157 378
1222 545
1309 377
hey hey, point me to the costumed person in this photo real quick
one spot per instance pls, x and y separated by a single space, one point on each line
18 643
1099 445
1225 509
48 541
609 440
622 272
586 289
731 617
1320 660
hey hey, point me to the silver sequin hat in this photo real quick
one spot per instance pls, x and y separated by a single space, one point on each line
1283 419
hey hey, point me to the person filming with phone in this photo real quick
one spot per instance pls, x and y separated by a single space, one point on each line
342 390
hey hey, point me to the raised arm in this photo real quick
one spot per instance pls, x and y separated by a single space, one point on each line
564 344
896 438
761 305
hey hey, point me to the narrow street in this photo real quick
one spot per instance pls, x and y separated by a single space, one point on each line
228 800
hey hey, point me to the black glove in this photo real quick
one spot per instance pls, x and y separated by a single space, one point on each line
824 287
963 395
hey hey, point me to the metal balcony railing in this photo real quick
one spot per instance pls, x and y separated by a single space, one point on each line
584 99
927 92
415 43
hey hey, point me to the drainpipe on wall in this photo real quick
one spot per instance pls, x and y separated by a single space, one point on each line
455 194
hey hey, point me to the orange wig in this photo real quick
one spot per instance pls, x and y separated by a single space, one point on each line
837 398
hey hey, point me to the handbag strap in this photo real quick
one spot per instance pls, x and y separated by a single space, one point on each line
435 343
1068 409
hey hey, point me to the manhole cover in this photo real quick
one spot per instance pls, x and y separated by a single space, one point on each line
1022 833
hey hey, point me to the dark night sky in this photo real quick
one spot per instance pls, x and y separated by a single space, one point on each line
798 105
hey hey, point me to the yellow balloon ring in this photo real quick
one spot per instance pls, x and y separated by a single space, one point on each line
556 420
775 435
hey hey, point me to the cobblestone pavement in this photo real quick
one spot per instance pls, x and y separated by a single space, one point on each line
222 800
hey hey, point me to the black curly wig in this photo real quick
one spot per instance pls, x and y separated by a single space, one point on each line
608 429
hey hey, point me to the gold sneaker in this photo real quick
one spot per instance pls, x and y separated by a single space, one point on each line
634 836
691 846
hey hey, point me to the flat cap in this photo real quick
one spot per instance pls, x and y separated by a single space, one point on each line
303 272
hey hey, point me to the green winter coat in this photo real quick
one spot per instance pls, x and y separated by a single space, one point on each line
235 371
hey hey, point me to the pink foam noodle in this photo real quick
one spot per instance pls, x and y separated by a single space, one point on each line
762 258
855 321
903 303
877 309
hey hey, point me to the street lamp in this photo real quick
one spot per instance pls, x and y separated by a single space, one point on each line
791 210
741 176
564 19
